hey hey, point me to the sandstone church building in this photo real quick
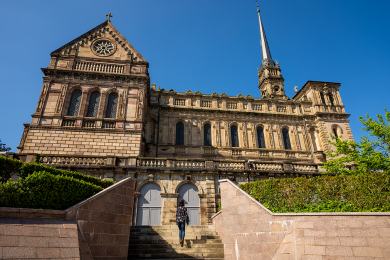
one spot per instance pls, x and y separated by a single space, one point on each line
99 115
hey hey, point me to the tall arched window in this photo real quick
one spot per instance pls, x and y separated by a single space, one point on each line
335 132
260 137
322 97
286 139
75 103
331 99
93 104
112 104
207 135
179 133
234 135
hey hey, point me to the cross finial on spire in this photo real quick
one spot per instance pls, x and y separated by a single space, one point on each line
108 16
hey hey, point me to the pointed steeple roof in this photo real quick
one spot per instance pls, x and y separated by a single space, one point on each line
91 34
265 52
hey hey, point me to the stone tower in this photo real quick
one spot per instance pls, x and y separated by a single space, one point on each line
92 102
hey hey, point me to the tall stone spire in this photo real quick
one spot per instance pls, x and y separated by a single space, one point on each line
265 52
270 76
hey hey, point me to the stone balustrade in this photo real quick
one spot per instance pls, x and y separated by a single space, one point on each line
268 167
229 166
161 163
99 67
64 160
189 164
155 163
305 168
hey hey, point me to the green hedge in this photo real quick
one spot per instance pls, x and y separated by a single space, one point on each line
341 193
29 168
42 190
8 167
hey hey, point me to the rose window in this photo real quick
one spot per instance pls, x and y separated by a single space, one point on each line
103 47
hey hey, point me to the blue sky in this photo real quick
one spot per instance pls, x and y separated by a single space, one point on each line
206 45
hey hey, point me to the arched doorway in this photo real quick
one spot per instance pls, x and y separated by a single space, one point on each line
149 205
189 193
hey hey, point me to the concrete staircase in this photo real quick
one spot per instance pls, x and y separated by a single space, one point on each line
162 242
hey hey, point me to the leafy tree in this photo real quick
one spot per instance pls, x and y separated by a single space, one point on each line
3 147
366 155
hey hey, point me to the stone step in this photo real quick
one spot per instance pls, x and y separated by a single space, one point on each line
162 242
157 237
177 250
175 227
175 241
183 259
189 245
173 232
175 255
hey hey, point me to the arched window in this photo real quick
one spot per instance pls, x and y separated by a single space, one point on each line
331 99
180 133
234 134
112 104
260 137
335 132
322 97
286 139
93 104
75 103
207 135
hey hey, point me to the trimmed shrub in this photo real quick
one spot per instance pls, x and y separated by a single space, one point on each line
8 167
42 190
341 193
29 168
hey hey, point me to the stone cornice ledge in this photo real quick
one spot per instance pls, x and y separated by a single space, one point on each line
305 214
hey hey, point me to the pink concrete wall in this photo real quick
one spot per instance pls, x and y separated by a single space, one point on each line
250 231
96 228
45 235
104 220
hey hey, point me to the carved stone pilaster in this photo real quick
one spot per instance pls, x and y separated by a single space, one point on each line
123 104
140 104
61 100
42 99
24 136
295 133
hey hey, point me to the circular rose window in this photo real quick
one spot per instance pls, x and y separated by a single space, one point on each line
103 48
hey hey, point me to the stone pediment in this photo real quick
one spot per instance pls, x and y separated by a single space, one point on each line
83 45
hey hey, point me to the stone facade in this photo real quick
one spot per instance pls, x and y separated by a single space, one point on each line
98 115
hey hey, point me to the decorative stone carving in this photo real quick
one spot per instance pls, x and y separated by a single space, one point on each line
61 98
42 98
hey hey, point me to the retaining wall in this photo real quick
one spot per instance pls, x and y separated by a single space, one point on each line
251 232
96 228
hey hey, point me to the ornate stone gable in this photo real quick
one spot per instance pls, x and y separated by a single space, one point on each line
103 31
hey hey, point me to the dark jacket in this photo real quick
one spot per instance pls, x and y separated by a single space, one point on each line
181 215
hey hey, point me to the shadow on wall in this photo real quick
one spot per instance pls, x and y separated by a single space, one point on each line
250 231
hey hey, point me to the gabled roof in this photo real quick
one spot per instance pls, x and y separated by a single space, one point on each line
312 81
113 31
